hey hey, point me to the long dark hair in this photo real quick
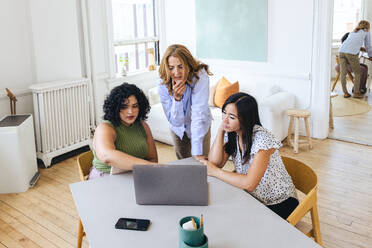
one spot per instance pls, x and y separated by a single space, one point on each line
248 116
114 103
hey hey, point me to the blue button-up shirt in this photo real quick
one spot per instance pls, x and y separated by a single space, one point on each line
191 114
355 41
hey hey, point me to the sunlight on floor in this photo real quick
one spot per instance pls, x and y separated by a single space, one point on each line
355 128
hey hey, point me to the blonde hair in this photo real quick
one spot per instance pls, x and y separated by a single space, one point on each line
364 25
189 63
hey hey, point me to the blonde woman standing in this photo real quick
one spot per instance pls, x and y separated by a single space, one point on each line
349 52
184 93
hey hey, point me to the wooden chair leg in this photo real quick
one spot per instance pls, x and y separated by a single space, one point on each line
316 225
308 132
351 76
310 233
80 234
331 123
296 134
335 82
290 130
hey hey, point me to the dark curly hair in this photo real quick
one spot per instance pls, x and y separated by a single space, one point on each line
115 102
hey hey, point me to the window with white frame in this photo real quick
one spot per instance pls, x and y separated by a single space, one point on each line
135 38
347 14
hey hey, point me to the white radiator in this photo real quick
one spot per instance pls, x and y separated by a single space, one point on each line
62 117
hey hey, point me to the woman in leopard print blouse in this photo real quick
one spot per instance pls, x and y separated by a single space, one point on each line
254 150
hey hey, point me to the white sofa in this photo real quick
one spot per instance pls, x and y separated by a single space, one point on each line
272 104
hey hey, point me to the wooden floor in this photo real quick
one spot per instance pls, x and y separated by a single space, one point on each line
45 216
354 128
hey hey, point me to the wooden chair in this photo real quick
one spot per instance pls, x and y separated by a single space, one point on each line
84 162
339 73
305 180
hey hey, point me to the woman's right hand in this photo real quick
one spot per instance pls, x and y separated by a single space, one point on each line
178 90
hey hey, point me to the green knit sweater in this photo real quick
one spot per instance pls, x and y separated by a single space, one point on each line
130 140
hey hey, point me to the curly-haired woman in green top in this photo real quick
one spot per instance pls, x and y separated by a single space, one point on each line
124 138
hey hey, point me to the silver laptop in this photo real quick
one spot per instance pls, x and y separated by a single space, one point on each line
170 184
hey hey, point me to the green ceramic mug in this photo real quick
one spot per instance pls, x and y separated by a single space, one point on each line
192 238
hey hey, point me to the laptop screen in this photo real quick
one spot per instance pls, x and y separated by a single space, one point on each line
167 184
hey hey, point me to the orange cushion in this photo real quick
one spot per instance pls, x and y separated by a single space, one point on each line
212 90
224 89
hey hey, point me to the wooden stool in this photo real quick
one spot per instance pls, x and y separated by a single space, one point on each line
296 114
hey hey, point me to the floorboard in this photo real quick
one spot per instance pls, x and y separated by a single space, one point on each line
354 128
45 216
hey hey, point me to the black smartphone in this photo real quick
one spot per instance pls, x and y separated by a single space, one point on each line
132 224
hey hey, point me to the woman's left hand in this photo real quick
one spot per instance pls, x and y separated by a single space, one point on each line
212 169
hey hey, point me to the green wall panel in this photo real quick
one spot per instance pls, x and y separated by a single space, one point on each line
231 29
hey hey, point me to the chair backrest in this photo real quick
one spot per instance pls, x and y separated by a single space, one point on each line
84 161
305 180
303 177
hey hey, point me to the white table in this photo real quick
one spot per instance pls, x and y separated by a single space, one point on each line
233 218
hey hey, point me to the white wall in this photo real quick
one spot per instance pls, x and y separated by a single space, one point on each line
367 10
289 44
290 49
54 26
16 62
41 42
180 23
45 43
48 40
15 44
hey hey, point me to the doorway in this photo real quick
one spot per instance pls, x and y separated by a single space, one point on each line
352 118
